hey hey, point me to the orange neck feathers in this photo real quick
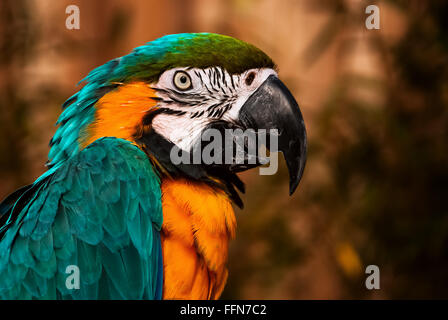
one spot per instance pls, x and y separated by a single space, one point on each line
119 113
198 222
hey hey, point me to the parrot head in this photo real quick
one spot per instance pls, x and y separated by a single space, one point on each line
166 93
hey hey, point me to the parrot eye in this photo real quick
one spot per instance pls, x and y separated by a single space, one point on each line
250 78
182 80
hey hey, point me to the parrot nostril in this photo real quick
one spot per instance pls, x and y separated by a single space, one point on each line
250 78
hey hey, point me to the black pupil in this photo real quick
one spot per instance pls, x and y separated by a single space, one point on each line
183 79
250 78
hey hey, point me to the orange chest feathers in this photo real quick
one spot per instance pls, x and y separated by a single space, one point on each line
198 222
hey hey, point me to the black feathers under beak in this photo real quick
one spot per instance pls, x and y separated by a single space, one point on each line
272 106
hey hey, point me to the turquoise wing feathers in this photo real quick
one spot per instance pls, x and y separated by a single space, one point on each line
100 211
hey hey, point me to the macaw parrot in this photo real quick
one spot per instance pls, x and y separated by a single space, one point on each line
114 206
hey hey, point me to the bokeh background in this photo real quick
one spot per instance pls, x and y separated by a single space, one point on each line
375 104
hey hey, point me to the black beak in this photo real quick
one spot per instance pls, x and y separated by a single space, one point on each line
273 106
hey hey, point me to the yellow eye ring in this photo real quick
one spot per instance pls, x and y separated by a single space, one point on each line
182 80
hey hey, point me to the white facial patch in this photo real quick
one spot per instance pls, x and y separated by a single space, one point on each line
214 95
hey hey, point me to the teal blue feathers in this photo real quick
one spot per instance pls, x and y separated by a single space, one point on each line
101 211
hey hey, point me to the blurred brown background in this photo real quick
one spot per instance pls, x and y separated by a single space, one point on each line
375 104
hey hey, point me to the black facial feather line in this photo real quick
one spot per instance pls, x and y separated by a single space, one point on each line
219 90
